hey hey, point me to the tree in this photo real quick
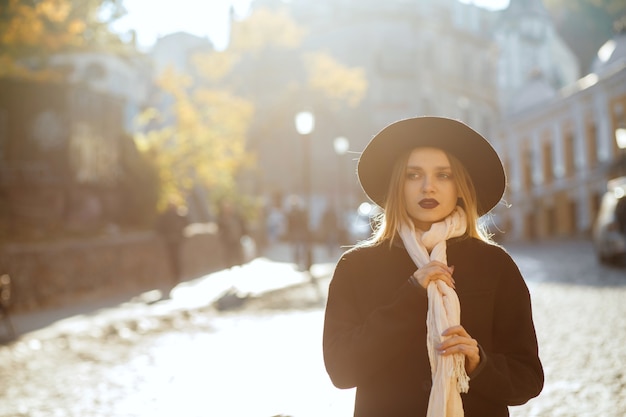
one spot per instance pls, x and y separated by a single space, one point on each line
268 59
204 142
32 31
219 102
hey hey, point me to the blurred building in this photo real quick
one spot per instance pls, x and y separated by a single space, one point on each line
174 51
64 147
123 76
529 45
426 57
561 147
60 158
506 73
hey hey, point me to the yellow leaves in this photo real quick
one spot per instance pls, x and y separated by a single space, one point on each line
148 115
215 66
186 115
338 82
174 82
48 24
220 106
204 139
54 10
266 28
24 27
76 27
36 30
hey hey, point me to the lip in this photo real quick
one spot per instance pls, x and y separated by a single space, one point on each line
428 203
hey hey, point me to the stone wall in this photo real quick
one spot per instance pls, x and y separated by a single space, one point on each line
62 272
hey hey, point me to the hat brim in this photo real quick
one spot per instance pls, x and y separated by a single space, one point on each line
452 136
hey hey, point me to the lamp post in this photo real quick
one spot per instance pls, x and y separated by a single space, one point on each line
620 137
305 123
619 166
341 146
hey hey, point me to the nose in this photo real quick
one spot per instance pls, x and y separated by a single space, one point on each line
428 185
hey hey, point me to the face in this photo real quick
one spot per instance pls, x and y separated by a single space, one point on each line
430 191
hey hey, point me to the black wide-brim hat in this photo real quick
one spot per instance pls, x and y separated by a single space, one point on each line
452 136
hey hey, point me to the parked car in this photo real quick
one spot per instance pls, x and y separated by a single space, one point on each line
609 231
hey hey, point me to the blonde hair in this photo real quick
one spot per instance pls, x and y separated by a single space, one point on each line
394 213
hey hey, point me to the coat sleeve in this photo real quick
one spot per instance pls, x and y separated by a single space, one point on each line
512 373
361 339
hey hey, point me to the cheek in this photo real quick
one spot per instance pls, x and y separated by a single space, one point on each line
454 194
410 189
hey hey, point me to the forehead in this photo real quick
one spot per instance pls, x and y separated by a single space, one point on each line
428 157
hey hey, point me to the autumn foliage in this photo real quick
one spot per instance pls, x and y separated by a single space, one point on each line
33 31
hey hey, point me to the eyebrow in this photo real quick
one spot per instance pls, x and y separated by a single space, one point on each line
439 168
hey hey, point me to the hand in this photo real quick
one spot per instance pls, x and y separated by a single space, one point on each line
432 271
459 341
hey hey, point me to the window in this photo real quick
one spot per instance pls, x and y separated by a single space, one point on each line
592 145
568 155
547 158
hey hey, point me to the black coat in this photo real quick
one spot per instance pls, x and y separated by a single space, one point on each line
375 330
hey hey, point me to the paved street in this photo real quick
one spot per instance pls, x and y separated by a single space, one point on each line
579 310
186 358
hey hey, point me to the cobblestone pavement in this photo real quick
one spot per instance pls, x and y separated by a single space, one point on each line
580 312
264 359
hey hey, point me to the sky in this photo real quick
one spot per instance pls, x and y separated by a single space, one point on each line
152 19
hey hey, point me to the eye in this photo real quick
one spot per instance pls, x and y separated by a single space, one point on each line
444 175
413 175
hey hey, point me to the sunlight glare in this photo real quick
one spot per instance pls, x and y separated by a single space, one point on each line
488 4
152 19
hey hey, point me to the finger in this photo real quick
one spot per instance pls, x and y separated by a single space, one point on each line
457 340
447 279
432 272
426 276
456 330
443 267
471 354
468 349
442 270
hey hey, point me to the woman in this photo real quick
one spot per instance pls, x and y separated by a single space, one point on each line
429 317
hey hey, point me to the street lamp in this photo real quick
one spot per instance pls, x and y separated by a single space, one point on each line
341 146
620 137
305 123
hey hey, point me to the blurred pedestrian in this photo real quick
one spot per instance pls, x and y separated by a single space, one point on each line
275 221
298 230
429 317
171 225
620 214
330 230
231 230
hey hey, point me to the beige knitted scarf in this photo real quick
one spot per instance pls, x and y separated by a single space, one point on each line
448 372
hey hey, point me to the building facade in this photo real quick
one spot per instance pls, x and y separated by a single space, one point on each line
61 159
561 150
506 73
421 57
530 46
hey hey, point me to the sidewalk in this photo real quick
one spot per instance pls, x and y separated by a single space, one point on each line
264 274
